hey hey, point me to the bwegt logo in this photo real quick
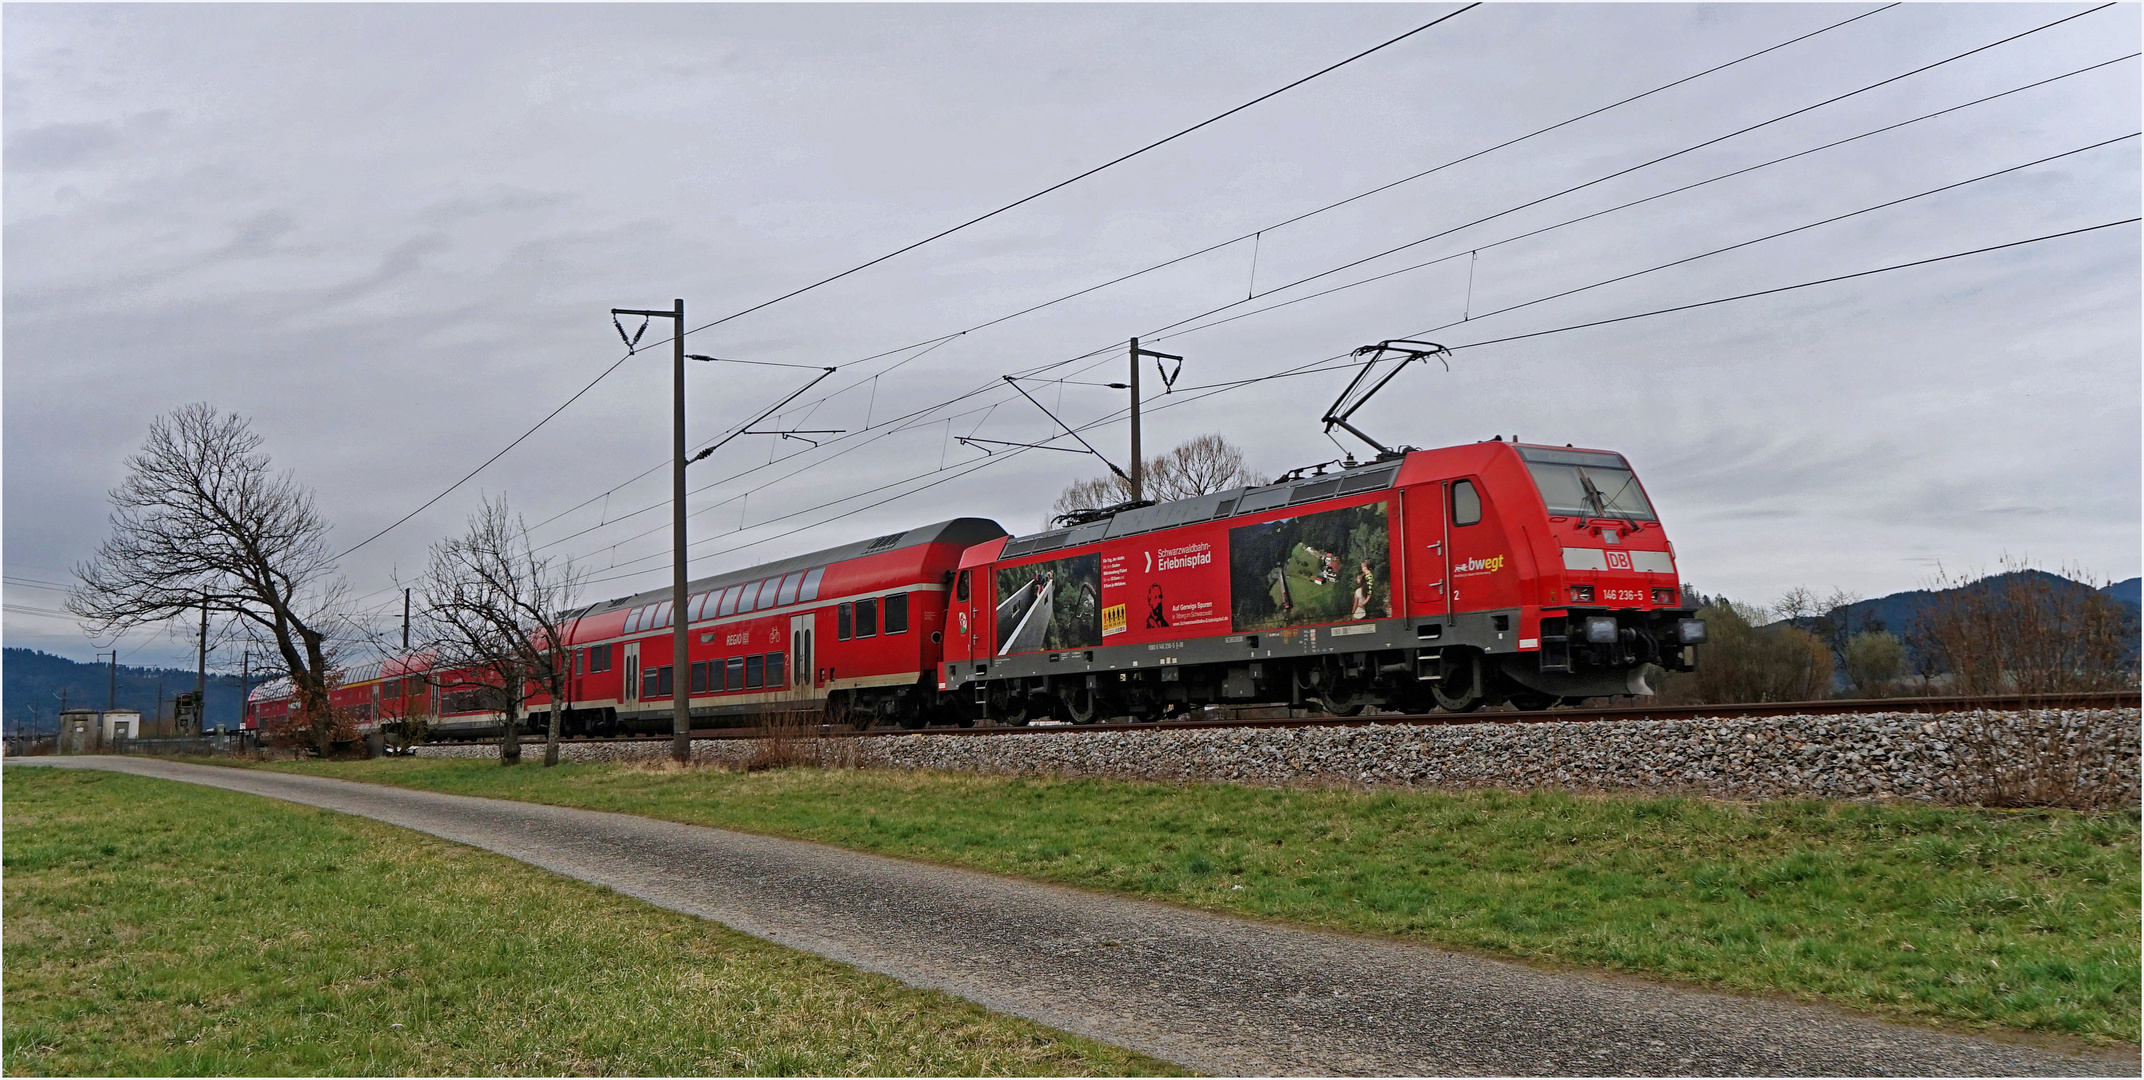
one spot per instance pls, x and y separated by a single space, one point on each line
1480 565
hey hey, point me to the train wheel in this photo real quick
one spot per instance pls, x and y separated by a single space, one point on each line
1346 702
1337 694
1459 690
839 713
1014 711
1077 703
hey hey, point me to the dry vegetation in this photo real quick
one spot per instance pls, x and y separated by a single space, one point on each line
795 737
2024 633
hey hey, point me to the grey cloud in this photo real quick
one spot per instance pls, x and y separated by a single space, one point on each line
258 235
54 147
495 200
59 146
401 261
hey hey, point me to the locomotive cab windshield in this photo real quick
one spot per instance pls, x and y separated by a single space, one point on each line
1587 483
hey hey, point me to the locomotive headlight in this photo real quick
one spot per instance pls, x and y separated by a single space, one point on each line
1600 630
1691 631
1663 598
1581 594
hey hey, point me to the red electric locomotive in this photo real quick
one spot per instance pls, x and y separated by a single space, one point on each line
1447 578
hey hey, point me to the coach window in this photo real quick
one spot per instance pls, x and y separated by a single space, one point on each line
598 659
960 586
759 595
1466 503
734 677
753 671
866 618
775 676
844 622
699 676
788 594
728 604
897 613
714 676
810 591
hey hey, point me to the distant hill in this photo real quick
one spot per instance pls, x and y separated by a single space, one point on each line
31 680
2129 592
1899 612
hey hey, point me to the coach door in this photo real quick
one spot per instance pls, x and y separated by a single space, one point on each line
959 620
803 676
631 692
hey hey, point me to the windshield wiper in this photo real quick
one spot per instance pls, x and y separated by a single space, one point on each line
1601 502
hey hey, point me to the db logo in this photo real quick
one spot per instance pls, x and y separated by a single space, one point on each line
1618 560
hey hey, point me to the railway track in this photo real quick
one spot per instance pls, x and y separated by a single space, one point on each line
2101 700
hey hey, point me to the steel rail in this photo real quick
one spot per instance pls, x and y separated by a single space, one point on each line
2118 699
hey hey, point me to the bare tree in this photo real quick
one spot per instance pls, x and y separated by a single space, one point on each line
2026 631
1201 466
202 519
495 620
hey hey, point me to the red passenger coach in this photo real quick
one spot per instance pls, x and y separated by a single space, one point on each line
855 630
1444 578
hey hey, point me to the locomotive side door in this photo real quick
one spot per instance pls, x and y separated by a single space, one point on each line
802 675
1479 553
1429 535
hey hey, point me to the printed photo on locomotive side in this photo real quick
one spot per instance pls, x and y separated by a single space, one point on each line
1050 605
1328 567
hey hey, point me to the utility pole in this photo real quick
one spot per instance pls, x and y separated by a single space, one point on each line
680 700
405 620
1139 461
201 671
111 696
245 677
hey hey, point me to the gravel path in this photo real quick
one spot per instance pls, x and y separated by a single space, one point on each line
1217 994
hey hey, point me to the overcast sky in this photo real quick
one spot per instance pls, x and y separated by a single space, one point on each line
390 235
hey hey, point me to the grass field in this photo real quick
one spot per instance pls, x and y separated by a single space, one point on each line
2025 920
1330 602
157 928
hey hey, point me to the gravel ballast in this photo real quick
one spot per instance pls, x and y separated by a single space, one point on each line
2071 756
